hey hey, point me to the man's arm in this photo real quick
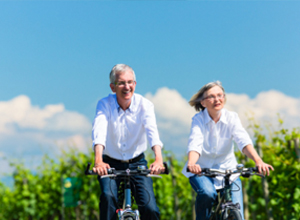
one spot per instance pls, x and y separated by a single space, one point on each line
192 162
100 167
157 166
250 152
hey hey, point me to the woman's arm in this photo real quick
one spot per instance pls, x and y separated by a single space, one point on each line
250 152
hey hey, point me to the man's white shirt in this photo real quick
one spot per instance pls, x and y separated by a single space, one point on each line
124 134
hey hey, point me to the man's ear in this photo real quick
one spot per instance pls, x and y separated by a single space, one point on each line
112 87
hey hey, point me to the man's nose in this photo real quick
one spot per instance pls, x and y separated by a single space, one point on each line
126 85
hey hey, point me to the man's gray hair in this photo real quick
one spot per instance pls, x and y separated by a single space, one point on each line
199 96
119 68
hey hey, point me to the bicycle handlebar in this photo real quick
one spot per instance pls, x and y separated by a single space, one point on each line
112 172
245 172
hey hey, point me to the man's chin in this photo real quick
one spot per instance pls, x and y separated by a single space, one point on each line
127 97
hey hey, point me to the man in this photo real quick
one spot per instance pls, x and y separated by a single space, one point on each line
123 122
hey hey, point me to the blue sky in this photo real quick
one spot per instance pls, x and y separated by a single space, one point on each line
60 53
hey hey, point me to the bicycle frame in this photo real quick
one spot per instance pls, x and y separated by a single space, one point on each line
225 208
127 213
225 202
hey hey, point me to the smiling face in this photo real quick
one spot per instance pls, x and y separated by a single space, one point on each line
213 100
124 88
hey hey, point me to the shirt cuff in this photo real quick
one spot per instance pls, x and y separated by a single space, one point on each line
98 142
195 148
159 143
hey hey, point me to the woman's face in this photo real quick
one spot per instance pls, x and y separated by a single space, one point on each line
213 99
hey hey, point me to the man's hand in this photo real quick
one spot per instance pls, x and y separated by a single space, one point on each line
192 162
101 168
194 168
157 167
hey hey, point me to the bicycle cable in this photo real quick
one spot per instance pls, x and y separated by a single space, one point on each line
113 196
122 190
134 194
236 190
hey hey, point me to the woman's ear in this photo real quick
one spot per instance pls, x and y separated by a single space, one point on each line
203 103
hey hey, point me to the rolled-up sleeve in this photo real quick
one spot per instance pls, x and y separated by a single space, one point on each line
99 131
240 135
196 137
149 122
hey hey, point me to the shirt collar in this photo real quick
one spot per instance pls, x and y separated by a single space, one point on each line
208 119
223 117
131 107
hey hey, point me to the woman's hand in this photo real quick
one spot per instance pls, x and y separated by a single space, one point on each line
264 167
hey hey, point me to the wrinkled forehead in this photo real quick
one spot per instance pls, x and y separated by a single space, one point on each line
124 75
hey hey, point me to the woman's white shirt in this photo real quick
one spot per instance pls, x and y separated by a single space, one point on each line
214 142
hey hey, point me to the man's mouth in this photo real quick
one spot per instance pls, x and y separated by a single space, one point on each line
126 92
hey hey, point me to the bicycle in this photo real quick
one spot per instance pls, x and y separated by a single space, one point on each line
127 213
224 208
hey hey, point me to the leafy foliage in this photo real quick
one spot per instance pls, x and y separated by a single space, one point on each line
277 149
39 195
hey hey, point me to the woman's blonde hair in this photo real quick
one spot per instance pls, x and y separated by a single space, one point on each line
196 99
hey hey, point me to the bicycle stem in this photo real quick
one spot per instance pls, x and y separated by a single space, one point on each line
227 189
127 193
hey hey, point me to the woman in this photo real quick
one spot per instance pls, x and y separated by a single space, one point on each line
210 145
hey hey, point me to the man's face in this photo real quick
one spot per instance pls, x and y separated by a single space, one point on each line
124 86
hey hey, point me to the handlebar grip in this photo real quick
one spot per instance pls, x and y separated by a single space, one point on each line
202 170
111 170
166 168
86 172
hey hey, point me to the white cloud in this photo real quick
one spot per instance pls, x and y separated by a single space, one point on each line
171 105
18 113
265 108
28 132
174 113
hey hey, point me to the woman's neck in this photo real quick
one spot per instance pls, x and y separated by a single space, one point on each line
215 115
